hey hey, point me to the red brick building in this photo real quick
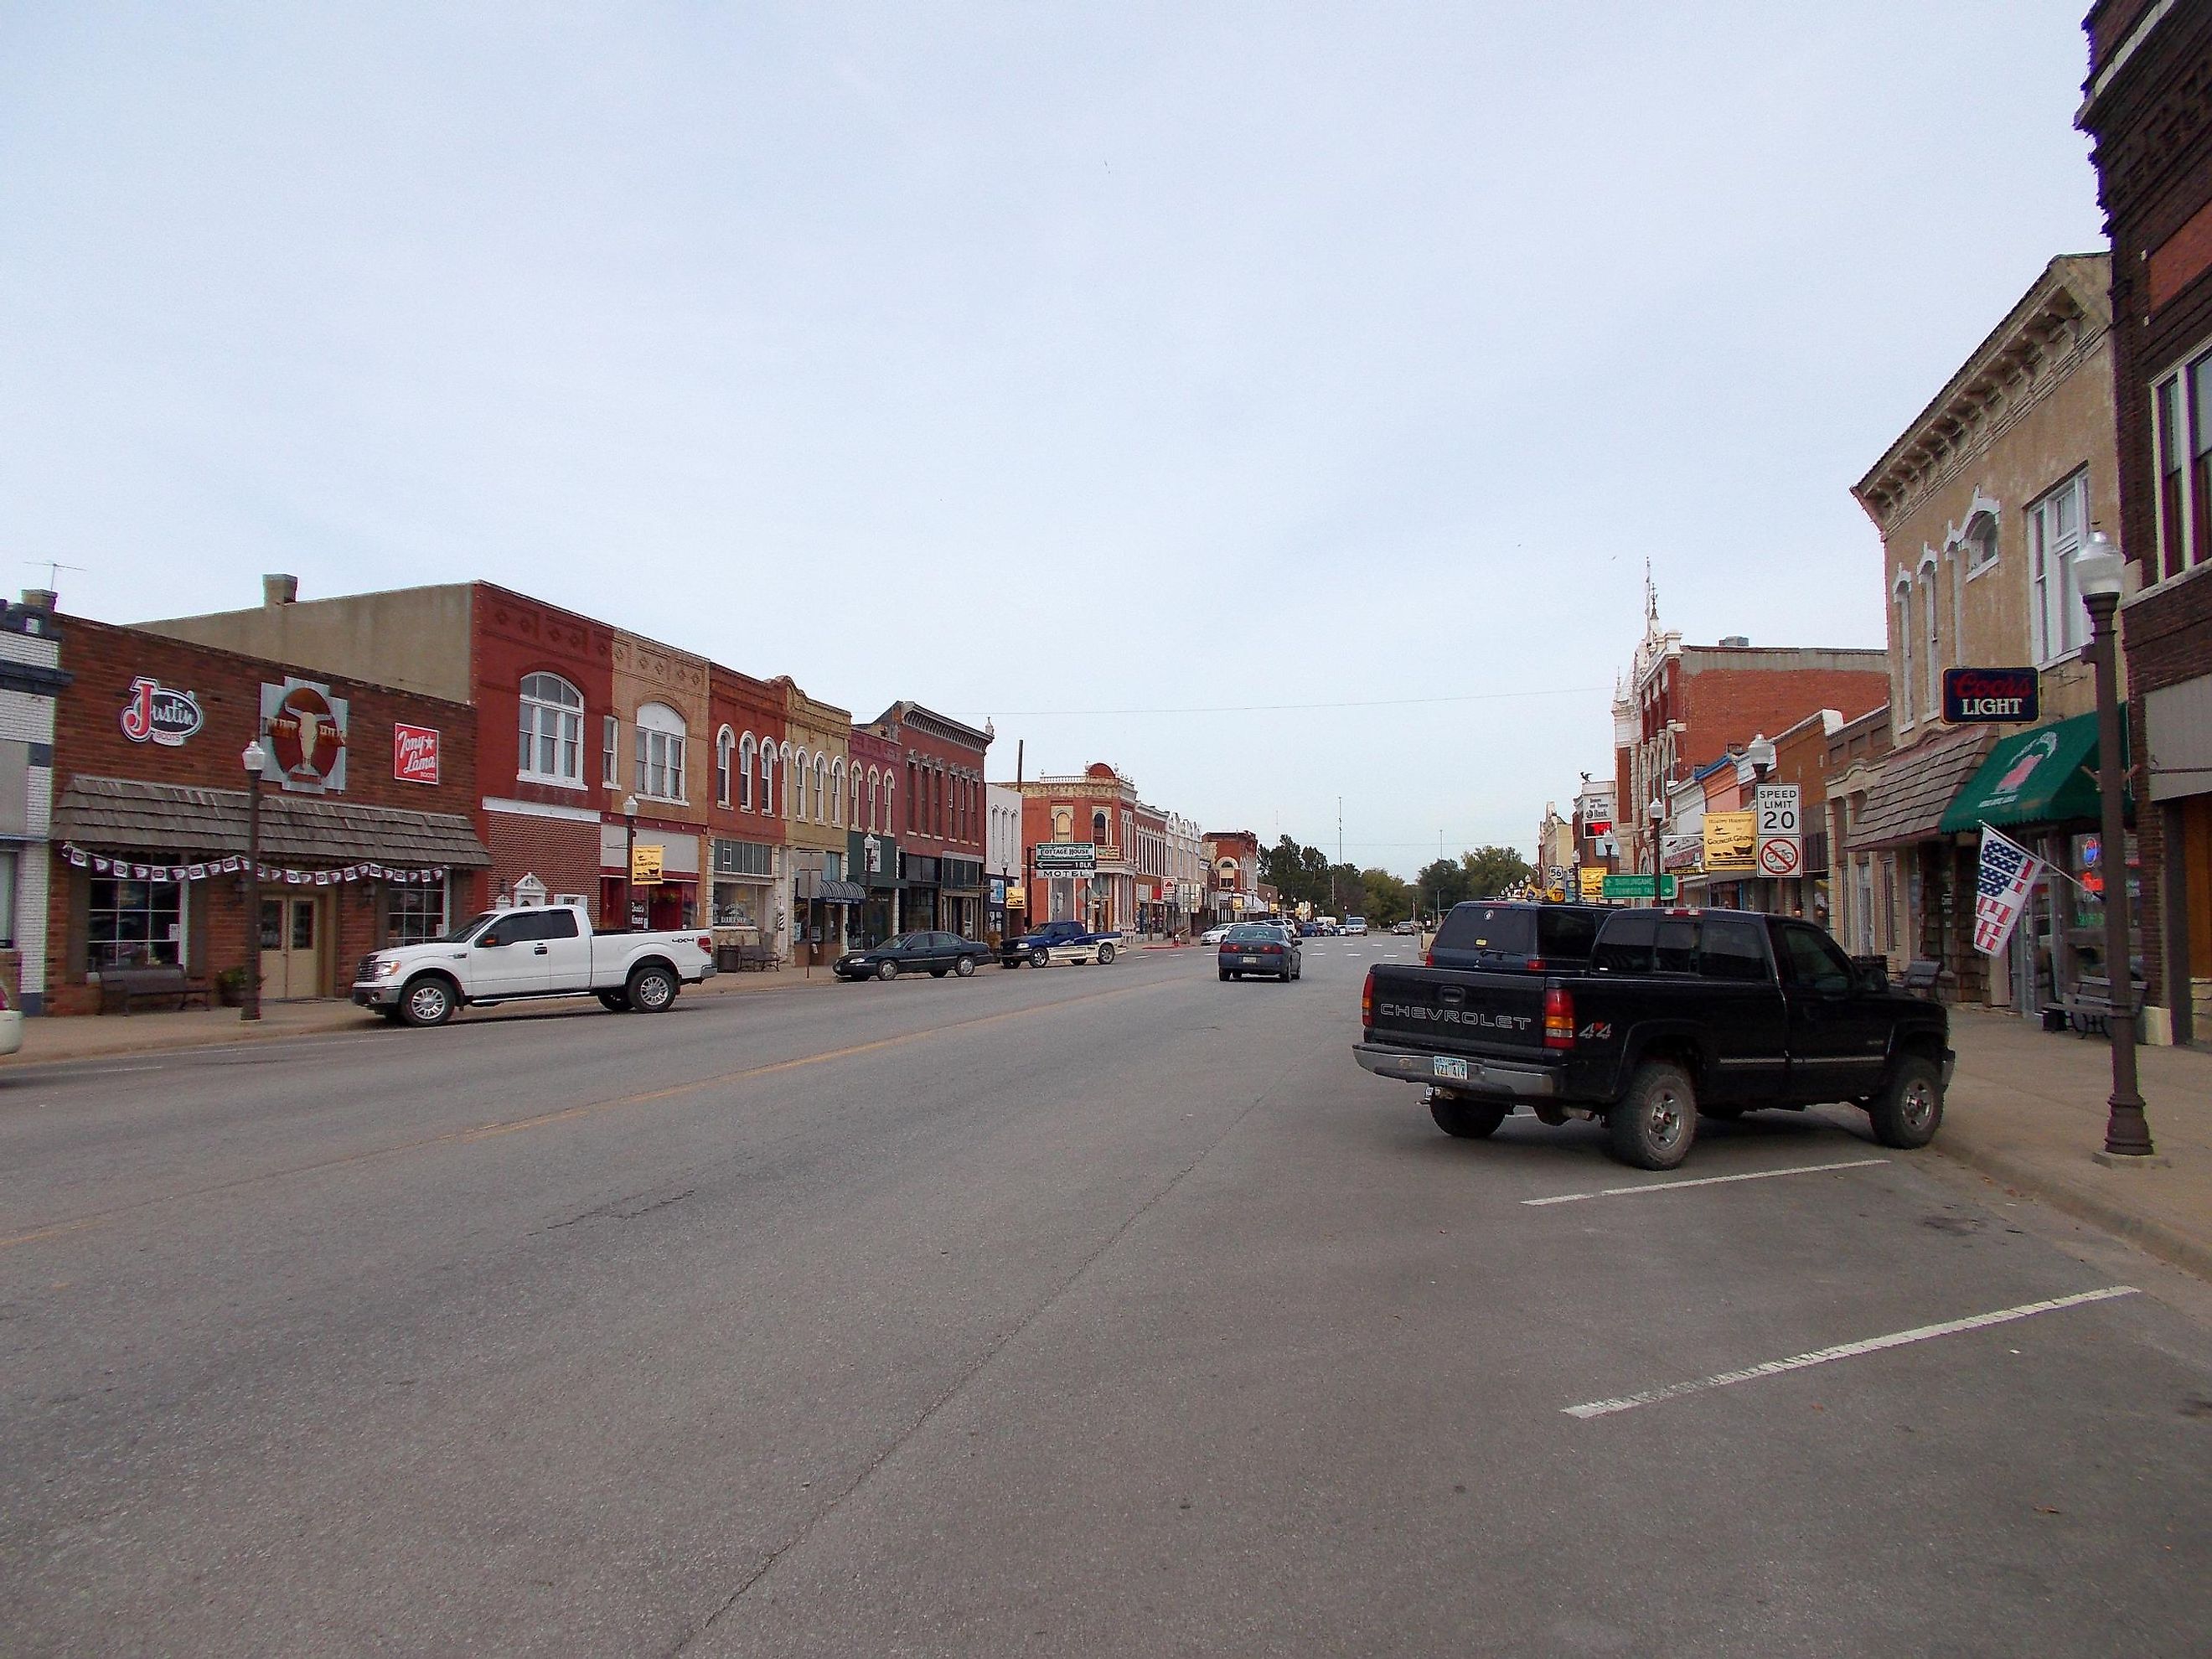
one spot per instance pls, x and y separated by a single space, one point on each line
2147 108
366 832
940 816
1681 706
744 830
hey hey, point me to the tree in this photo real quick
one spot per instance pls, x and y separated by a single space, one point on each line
1385 899
1492 870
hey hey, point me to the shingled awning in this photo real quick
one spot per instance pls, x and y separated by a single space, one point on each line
1917 786
180 821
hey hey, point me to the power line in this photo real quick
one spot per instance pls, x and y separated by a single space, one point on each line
1287 708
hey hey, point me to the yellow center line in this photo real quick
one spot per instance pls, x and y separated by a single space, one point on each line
483 1132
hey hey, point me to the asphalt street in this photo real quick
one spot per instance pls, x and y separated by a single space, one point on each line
1106 1309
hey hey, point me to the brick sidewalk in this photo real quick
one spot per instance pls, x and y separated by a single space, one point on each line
92 1037
2026 1108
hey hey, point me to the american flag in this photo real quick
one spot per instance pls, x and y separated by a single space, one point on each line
2008 872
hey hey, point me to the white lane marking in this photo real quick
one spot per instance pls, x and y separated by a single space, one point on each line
1702 1181
1844 1351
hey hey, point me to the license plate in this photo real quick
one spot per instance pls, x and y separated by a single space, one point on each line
1248 961
1454 1069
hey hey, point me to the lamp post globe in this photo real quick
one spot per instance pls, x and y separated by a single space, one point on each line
2100 572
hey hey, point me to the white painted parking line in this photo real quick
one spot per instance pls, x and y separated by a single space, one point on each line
1844 1351
1702 1181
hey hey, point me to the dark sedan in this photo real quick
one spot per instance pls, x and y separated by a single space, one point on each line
935 954
1261 948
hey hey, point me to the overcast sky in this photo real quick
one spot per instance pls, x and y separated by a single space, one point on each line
1037 362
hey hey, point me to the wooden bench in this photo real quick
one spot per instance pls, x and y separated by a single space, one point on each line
745 959
1923 978
2088 1005
119 987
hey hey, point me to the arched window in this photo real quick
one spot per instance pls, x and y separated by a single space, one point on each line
875 792
783 800
913 793
821 790
725 749
659 752
1098 827
552 749
837 791
746 750
798 771
1904 606
853 806
1981 539
767 802
890 802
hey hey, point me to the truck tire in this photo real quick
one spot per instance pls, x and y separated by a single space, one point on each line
652 990
1908 1111
887 970
1468 1120
615 1002
429 1001
1653 1125
1039 957
964 967
1105 952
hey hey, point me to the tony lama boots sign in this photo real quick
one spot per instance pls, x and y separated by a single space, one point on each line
306 728
1978 696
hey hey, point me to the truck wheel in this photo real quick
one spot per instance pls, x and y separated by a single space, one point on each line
1652 1125
1040 956
1105 952
615 1002
964 967
652 990
429 1001
1468 1120
887 970
1909 1111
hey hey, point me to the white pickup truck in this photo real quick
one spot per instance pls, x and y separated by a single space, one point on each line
534 950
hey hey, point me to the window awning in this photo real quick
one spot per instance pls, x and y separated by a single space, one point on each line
841 892
185 820
2044 776
1907 802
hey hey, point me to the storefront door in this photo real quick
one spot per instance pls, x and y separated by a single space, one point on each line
292 947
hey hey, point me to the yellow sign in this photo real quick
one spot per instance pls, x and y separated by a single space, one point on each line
1731 842
645 865
1593 884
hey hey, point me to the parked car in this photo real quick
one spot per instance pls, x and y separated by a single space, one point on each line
1215 935
530 951
1516 934
932 953
1261 948
11 1023
1355 927
1680 1014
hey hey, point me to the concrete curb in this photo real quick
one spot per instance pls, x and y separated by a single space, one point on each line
2084 1203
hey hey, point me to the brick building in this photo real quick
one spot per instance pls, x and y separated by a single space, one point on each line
744 834
941 826
1681 706
1982 502
31 677
366 831
1233 873
871 860
818 735
2148 111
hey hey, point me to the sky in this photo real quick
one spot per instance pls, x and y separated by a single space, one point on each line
1277 401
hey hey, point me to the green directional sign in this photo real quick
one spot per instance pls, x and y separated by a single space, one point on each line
1638 887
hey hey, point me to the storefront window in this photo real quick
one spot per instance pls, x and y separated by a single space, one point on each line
8 898
134 924
412 914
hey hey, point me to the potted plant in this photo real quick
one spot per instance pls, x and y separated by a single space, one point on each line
230 988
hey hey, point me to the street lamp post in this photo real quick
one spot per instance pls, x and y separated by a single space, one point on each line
629 859
2099 570
254 759
1656 812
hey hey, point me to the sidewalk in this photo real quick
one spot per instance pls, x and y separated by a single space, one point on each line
95 1037
2026 1108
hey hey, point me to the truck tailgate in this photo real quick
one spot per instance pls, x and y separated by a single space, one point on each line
1460 1010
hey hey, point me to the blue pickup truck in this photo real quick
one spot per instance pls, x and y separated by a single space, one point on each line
1058 941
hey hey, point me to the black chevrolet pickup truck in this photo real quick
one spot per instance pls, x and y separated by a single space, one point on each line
1680 1013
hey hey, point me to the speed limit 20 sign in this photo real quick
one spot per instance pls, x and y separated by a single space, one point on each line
1781 832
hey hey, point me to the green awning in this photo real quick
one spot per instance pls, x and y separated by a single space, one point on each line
2044 776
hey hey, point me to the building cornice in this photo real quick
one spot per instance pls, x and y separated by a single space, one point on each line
2062 319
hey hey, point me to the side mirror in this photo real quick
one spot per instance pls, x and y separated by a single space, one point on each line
489 941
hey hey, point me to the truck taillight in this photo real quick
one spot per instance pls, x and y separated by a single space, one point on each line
1367 1000
707 943
1558 1018
1428 958
1535 964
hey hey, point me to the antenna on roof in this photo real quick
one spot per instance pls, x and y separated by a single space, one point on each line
53 567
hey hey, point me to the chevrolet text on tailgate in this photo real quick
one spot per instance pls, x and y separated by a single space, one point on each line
1679 1014
532 950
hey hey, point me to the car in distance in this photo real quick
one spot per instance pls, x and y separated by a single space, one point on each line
1215 935
933 953
1355 927
1406 928
1262 949
528 952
